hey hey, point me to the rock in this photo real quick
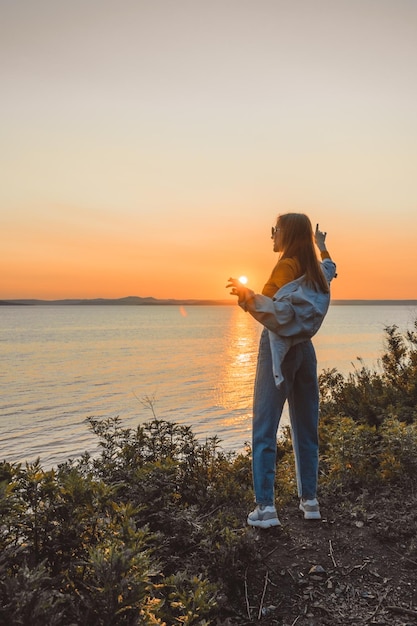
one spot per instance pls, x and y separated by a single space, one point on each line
317 572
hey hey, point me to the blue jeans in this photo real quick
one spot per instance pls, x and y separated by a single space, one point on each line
300 387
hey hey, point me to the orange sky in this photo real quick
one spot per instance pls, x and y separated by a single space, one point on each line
147 147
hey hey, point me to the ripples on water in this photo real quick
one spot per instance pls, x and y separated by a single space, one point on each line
60 364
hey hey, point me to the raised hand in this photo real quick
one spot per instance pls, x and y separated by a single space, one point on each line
320 239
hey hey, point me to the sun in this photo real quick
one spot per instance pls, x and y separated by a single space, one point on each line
243 279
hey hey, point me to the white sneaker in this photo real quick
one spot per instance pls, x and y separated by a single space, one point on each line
310 508
264 517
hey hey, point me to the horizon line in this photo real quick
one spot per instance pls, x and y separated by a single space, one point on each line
150 300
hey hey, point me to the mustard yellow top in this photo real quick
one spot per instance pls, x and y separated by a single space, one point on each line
284 272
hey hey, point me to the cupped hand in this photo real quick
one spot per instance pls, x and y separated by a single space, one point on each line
237 289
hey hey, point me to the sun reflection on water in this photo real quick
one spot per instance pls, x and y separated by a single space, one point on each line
239 365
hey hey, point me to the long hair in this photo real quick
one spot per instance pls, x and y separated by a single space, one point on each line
297 241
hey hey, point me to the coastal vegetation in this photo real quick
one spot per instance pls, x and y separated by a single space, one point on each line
152 529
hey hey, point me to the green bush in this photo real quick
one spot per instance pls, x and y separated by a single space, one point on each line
349 454
369 396
148 532
355 455
398 452
368 427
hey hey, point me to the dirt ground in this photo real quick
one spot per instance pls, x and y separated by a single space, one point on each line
357 566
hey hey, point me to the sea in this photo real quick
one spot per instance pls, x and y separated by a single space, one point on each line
192 365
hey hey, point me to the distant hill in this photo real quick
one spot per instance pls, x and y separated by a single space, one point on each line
138 301
128 301
375 302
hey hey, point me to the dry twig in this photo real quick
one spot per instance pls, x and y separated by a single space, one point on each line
331 553
400 609
402 556
379 605
246 594
272 551
263 595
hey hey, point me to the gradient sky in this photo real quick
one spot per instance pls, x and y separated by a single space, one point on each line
147 146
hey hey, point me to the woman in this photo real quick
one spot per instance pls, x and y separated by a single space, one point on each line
287 366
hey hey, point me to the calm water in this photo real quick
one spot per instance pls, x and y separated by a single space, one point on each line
60 364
